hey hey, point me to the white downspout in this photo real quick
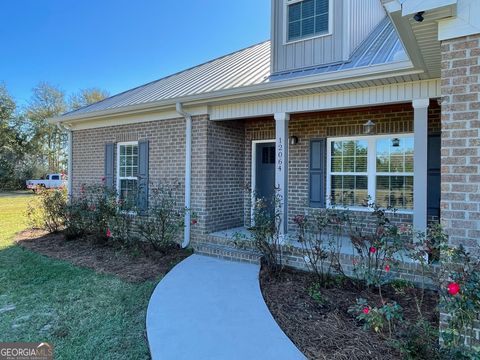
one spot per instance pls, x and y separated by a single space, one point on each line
188 172
69 160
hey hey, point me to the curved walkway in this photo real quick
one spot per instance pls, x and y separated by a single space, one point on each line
207 308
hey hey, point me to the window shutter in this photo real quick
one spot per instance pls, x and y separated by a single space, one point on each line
109 165
143 176
318 155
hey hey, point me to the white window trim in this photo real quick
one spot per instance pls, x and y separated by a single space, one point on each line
286 3
371 168
117 177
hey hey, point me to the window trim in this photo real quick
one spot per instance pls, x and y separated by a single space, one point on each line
117 177
371 168
286 3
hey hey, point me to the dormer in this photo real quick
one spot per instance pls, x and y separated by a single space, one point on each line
312 33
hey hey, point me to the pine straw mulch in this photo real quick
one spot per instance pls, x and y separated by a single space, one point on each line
133 265
328 331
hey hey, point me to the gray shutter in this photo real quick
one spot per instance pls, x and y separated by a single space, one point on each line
318 156
109 165
143 176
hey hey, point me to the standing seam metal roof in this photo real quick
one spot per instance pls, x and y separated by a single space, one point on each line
250 66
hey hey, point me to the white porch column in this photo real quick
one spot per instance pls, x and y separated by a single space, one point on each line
281 168
420 168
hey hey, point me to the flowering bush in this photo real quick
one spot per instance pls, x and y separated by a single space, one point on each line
162 224
377 243
266 232
92 212
47 210
459 287
320 235
378 318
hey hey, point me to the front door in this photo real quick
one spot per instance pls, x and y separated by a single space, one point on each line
265 173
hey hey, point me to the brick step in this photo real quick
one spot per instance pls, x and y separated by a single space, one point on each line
227 252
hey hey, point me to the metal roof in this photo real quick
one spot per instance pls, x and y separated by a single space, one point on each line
247 67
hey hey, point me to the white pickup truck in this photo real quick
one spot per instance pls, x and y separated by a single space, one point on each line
51 181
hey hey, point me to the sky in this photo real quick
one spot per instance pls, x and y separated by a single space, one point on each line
119 44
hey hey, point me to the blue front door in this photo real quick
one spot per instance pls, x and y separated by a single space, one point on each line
265 172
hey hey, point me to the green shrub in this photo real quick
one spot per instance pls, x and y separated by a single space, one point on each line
164 220
266 233
320 235
47 211
380 318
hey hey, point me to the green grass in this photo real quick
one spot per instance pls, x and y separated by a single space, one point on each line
84 315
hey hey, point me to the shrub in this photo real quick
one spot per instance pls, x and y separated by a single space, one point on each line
375 318
164 220
320 235
120 228
419 341
266 233
48 209
377 243
460 298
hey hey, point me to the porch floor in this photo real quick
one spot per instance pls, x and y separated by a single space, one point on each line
242 233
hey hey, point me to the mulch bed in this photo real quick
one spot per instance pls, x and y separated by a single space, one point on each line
328 331
133 265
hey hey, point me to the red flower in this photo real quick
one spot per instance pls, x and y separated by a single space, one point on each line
366 310
453 288
387 268
194 221
373 249
109 233
299 219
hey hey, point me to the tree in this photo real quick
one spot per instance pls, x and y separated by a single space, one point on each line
47 101
86 97
13 142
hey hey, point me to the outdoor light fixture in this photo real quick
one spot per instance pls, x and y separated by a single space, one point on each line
395 142
369 127
419 16
293 140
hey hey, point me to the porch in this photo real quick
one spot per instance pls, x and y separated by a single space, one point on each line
329 156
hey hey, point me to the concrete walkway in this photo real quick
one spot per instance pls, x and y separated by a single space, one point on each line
207 308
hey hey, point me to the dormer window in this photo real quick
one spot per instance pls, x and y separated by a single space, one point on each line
307 18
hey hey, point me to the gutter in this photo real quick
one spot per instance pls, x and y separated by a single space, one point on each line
63 128
188 172
400 68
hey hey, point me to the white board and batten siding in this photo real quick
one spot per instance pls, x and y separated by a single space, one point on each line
364 16
351 21
315 51
369 96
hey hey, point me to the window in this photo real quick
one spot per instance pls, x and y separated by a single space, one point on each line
379 168
395 173
127 175
55 177
307 18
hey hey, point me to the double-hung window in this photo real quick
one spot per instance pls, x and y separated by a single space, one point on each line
371 169
307 18
127 174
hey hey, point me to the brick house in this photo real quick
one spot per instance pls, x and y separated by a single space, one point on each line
347 100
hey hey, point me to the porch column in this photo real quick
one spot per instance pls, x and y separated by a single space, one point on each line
420 168
281 168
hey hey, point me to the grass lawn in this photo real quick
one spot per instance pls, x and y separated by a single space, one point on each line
84 315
